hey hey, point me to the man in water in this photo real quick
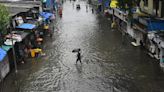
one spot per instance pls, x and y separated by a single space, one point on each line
78 57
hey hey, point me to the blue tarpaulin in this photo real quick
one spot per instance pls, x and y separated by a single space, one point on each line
155 25
2 54
99 1
46 15
26 26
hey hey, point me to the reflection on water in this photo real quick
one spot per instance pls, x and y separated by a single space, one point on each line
79 68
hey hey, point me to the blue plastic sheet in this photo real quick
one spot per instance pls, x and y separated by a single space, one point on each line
99 1
107 3
2 54
155 25
46 15
26 26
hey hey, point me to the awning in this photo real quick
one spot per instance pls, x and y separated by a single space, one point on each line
15 10
2 54
18 36
21 33
26 26
156 25
46 15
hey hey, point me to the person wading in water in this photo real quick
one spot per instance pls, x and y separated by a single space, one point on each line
78 51
78 57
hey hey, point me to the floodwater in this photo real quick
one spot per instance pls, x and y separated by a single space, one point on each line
108 65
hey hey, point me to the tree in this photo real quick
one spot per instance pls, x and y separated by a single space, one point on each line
4 21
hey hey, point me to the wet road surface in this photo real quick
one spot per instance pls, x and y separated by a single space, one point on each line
107 64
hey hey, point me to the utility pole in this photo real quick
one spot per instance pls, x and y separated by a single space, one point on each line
14 55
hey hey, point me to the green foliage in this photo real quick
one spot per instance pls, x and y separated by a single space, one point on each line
4 19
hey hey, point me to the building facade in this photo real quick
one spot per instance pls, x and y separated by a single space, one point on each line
153 7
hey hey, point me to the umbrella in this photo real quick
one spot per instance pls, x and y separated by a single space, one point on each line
76 50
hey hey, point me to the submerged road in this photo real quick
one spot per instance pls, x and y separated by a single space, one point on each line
107 64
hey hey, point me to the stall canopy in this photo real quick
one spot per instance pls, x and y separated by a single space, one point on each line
155 25
2 54
26 26
15 10
46 15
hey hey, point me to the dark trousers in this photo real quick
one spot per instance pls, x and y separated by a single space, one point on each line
78 59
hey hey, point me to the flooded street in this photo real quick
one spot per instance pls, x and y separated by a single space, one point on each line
107 64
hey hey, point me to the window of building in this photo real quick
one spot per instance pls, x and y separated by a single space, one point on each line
155 6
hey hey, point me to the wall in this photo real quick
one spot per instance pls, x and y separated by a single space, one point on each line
149 9
150 6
